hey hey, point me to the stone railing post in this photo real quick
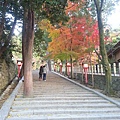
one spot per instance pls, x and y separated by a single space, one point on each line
114 69
95 69
81 68
101 69
89 69
119 68
98 69
92 69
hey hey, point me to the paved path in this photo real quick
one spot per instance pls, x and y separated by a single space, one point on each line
59 99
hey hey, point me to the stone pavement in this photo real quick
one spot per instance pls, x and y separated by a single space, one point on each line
59 98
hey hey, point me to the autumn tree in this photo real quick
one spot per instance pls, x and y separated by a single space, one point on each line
73 39
97 8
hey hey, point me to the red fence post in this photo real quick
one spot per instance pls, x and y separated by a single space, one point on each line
19 64
68 68
19 67
85 67
60 67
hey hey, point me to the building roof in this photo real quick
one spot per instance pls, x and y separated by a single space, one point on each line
115 49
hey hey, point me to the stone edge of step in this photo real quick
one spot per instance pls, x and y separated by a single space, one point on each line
8 103
87 88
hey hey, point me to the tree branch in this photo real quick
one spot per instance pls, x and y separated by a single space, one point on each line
98 55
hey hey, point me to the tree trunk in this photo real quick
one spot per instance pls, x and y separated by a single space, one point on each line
103 52
71 73
27 45
66 71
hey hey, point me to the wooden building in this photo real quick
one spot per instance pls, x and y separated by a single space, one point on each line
114 53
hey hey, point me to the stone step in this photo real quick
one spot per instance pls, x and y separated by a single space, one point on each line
65 108
59 118
64 94
42 92
64 116
47 101
61 98
62 91
65 105
61 95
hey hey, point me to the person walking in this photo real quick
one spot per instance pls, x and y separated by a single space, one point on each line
40 72
44 72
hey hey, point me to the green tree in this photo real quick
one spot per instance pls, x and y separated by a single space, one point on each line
99 8
9 14
17 47
40 43
29 12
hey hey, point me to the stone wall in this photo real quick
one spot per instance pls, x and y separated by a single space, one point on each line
7 73
99 81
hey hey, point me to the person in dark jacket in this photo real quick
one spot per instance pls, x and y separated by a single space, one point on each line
40 72
44 72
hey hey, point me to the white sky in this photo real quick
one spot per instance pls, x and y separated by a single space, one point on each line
114 19
17 30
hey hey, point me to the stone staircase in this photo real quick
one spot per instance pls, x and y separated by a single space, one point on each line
59 99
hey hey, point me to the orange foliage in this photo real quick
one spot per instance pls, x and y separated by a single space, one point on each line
79 34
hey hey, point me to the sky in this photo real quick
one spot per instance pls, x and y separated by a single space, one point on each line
17 30
114 19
